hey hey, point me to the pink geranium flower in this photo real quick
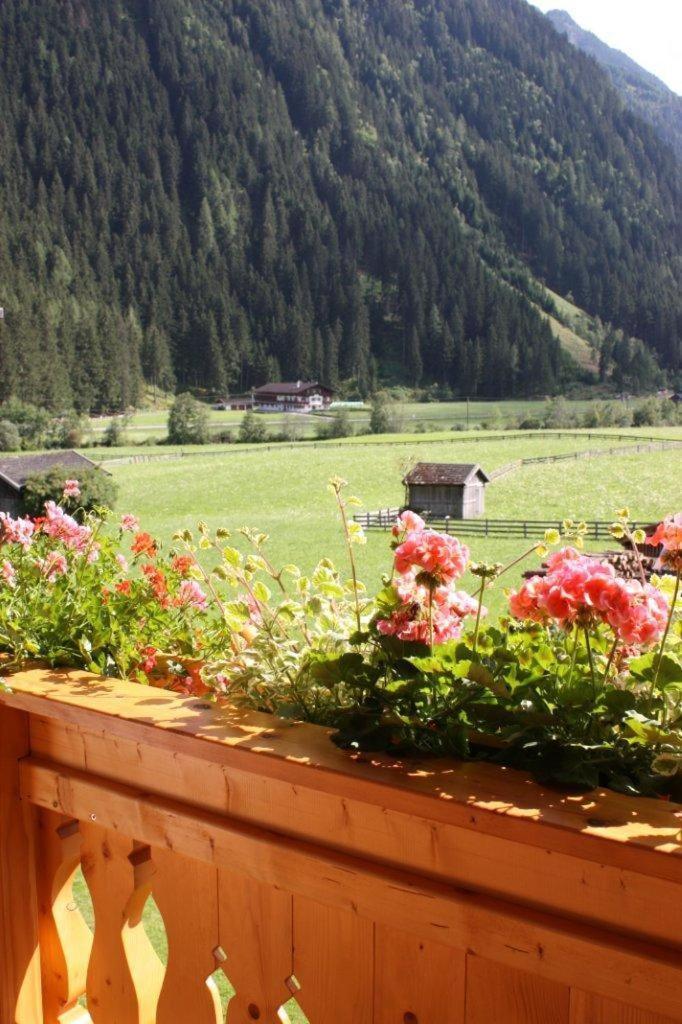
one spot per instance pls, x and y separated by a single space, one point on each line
63 527
16 531
669 535
440 557
407 522
579 590
190 595
8 573
72 489
130 523
425 612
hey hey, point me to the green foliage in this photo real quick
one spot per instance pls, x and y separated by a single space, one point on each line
340 425
386 222
97 488
10 438
381 420
188 421
252 429
114 435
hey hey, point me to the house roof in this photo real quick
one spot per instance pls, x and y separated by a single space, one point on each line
16 469
448 474
297 387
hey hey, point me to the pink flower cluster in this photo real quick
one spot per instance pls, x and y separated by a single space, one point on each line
72 489
440 557
579 590
8 573
427 564
57 524
16 531
669 535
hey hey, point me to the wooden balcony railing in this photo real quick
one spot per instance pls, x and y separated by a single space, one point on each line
273 870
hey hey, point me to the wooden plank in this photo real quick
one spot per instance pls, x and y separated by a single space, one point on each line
20 994
256 939
333 963
590 1009
506 996
124 974
601 826
65 939
186 892
466 854
417 981
642 974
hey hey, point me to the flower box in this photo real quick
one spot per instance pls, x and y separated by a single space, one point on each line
365 888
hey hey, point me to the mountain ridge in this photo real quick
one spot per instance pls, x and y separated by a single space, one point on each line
645 93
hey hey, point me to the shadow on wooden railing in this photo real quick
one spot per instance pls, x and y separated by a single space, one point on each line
232 860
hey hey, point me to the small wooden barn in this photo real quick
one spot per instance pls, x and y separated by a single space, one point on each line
16 469
446 489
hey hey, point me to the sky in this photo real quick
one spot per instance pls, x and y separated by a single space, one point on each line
649 31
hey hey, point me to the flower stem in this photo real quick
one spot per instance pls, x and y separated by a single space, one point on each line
574 655
611 657
591 660
481 591
349 544
661 650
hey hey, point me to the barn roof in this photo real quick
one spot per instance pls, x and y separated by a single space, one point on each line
16 469
296 387
448 474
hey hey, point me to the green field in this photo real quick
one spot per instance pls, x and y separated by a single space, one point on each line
283 491
149 425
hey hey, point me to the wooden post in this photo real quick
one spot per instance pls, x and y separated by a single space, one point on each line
20 993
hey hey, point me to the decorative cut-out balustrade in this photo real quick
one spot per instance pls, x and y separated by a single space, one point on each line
165 862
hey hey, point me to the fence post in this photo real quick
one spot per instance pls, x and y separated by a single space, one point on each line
20 987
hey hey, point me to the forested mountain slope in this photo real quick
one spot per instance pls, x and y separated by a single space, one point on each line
646 94
220 191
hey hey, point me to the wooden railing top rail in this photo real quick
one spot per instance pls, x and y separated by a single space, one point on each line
602 826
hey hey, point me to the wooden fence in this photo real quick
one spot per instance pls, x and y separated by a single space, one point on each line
367 891
637 444
383 519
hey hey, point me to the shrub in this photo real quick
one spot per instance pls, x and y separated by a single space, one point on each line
252 429
10 439
114 435
381 420
67 431
340 426
31 422
188 421
97 490
223 437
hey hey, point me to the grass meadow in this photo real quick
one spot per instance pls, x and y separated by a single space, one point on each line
283 490
149 425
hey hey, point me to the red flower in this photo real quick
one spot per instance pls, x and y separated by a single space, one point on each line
149 658
124 587
157 582
144 544
182 564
